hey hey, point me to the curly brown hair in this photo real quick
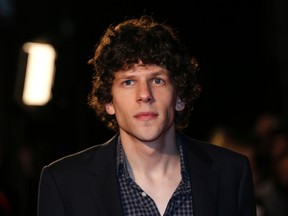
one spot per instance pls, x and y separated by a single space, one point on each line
142 39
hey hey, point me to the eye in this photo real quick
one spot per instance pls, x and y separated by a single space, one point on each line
158 81
128 82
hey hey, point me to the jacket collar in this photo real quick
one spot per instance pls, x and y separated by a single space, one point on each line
204 179
103 181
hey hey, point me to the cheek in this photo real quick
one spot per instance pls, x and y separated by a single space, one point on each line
170 99
121 105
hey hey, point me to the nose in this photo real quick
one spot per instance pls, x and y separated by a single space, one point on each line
144 94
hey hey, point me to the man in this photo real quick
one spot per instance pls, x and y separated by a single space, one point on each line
144 88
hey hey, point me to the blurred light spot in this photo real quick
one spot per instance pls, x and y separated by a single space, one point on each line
39 74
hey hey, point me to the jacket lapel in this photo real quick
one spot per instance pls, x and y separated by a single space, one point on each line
203 178
103 181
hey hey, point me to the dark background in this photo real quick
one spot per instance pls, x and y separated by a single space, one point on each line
242 49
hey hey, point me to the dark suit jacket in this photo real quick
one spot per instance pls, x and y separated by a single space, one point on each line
85 183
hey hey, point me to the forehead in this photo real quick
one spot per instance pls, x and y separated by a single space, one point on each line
143 69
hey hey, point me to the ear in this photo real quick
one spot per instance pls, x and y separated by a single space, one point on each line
180 105
110 108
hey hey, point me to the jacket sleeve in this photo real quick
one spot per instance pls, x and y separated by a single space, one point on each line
49 197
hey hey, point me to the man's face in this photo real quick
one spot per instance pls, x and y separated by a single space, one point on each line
144 100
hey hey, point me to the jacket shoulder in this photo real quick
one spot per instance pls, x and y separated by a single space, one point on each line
211 152
84 158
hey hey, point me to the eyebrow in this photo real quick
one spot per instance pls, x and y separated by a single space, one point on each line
124 75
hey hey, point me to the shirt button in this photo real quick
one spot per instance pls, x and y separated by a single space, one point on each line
143 194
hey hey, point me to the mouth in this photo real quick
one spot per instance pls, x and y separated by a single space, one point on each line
146 116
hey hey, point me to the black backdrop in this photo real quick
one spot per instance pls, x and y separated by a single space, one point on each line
240 46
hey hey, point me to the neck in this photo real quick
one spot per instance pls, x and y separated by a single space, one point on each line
157 157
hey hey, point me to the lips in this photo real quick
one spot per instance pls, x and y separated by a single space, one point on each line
146 115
